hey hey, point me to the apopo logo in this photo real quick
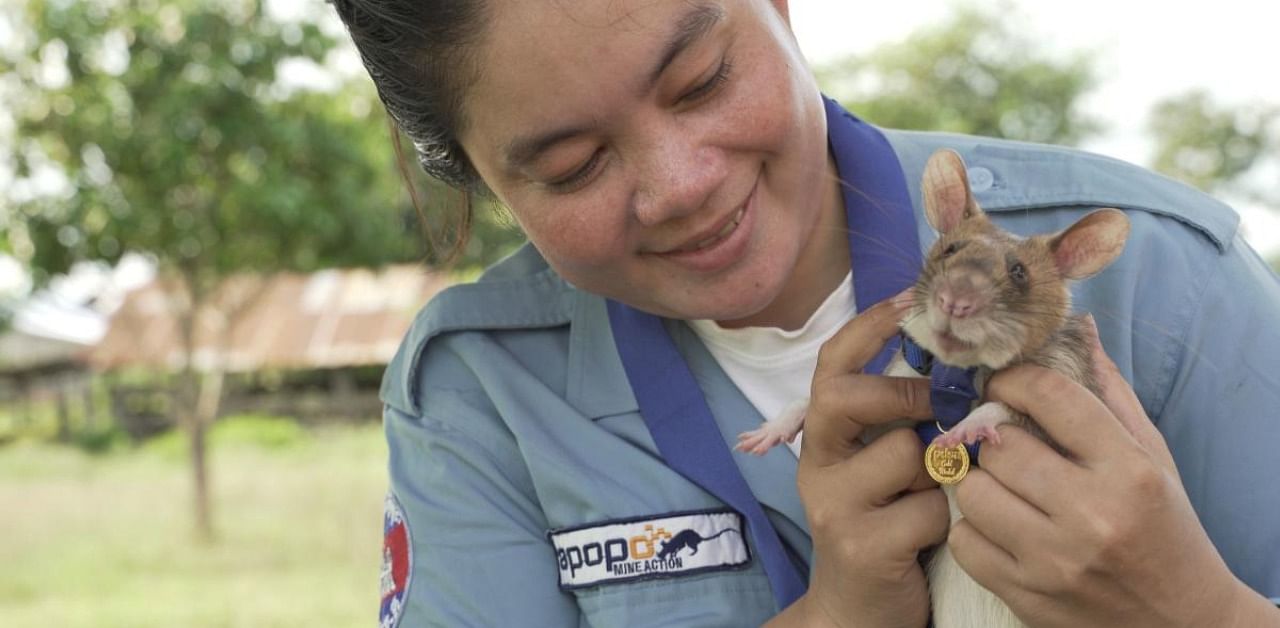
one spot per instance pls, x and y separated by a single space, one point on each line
618 554
639 548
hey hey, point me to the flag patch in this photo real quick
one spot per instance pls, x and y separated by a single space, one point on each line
397 563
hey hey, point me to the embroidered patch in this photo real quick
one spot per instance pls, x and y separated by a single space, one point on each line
641 548
397 563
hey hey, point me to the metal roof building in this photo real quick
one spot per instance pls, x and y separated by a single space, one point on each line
328 319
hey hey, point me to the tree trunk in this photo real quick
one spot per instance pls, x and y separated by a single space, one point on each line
90 405
200 474
24 403
342 389
188 401
64 413
209 305
206 411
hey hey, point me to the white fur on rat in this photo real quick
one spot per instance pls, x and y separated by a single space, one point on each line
988 299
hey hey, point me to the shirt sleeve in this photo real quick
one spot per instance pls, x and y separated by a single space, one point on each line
1221 416
478 554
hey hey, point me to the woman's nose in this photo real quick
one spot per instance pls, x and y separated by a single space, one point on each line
678 177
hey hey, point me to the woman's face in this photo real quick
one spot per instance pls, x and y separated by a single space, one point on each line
670 154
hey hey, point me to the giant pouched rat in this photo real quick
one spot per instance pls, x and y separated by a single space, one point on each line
988 299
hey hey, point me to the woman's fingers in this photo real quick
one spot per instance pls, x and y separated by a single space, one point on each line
878 472
844 402
1031 469
860 340
1071 415
921 520
870 508
843 406
1119 397
999 513
986 562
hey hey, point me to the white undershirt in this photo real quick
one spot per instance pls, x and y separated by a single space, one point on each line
774 367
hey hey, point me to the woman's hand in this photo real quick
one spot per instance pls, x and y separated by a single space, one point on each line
1104 537
870 509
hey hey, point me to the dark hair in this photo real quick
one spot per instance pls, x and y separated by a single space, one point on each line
418 53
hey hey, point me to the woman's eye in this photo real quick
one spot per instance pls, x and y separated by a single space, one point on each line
579 177
708 86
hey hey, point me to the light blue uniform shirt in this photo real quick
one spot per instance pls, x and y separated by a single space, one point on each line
508 413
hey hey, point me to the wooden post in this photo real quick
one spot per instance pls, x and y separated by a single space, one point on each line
342 389
64 414
90 408
24 402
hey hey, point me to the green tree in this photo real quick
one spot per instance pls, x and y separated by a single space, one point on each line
1219 148
1214 146
174 135
975 72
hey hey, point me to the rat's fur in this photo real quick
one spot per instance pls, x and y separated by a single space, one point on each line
988 299
973 309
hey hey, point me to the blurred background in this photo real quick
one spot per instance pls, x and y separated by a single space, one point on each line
208 253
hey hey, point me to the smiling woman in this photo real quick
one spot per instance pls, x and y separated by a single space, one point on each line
678 165
696 209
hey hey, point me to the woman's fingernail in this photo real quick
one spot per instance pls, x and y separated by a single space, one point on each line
903 299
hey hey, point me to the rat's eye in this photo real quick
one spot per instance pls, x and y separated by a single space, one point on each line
951 249
1018 273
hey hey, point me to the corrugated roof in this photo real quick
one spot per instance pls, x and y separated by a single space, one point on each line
332 318
23 352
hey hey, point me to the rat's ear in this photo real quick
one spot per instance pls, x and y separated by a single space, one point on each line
1088 246
947 199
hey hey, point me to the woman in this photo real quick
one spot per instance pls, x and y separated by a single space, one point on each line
557 431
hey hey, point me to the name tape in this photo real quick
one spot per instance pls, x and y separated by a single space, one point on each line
661 546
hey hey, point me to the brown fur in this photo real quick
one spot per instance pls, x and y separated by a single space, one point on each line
1017 289
1020 284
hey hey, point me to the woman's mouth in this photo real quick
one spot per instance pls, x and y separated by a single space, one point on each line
723 233
720 247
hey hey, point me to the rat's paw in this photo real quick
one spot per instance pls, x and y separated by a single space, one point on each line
770 434
782 429
968 435
980 425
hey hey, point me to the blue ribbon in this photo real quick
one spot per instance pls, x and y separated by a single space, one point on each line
885 255
683 428
951 392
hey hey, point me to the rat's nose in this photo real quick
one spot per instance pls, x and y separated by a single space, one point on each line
955 306
959 299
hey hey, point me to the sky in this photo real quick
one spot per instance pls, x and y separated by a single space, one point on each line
1145 52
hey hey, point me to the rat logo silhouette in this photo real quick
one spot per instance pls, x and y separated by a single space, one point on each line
686 538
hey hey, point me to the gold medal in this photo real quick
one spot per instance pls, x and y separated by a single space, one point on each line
946 465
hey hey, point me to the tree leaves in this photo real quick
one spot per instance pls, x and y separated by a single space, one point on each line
1211 145
973 73
190 150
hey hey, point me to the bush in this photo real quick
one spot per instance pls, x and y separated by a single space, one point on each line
258 430
100 441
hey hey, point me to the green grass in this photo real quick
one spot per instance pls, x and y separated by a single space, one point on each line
106 539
